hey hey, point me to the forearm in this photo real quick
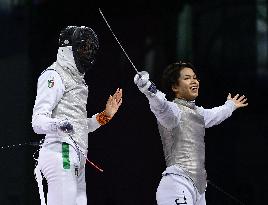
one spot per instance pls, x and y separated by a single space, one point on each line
43 124
167 113
216 115
93 123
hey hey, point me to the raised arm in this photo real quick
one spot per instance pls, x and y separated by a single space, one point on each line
113 103
167 113
216 115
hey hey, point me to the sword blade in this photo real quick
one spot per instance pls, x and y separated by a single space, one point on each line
118 41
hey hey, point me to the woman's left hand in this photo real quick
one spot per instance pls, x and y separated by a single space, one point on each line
240 101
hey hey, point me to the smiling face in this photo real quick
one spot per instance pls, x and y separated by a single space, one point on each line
187 85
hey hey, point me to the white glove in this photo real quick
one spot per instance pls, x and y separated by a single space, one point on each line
141 79
66 126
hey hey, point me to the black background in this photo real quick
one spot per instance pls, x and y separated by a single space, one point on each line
224 51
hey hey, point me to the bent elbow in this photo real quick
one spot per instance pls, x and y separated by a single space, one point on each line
36 128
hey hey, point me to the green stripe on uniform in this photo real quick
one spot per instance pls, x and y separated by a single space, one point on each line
65 155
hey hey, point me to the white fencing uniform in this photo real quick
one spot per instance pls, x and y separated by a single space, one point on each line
182 128
62 95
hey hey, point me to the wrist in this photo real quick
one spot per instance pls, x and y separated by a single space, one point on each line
103 118
232 104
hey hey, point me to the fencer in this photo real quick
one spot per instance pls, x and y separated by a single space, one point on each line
182 125
60 113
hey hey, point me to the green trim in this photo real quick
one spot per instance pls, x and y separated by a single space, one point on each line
65 155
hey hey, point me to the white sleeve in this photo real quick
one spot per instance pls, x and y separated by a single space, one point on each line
216 115
167 113
50 90
92 123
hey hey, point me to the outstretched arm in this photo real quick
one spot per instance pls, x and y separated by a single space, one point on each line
112 106
216 115
167 113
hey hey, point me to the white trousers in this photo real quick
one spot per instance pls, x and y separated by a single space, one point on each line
174 189
65 174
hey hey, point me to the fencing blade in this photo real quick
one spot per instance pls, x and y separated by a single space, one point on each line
118 41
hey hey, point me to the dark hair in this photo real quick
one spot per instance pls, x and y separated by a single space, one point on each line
171 75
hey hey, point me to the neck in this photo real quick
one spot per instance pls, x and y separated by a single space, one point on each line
182 98
187 103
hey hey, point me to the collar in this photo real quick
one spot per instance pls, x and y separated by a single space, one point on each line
190 104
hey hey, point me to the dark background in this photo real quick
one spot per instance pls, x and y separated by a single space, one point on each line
225 39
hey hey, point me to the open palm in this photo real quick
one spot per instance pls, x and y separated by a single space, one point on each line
113 103
240 101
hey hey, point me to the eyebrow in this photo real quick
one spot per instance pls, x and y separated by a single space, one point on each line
190 75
